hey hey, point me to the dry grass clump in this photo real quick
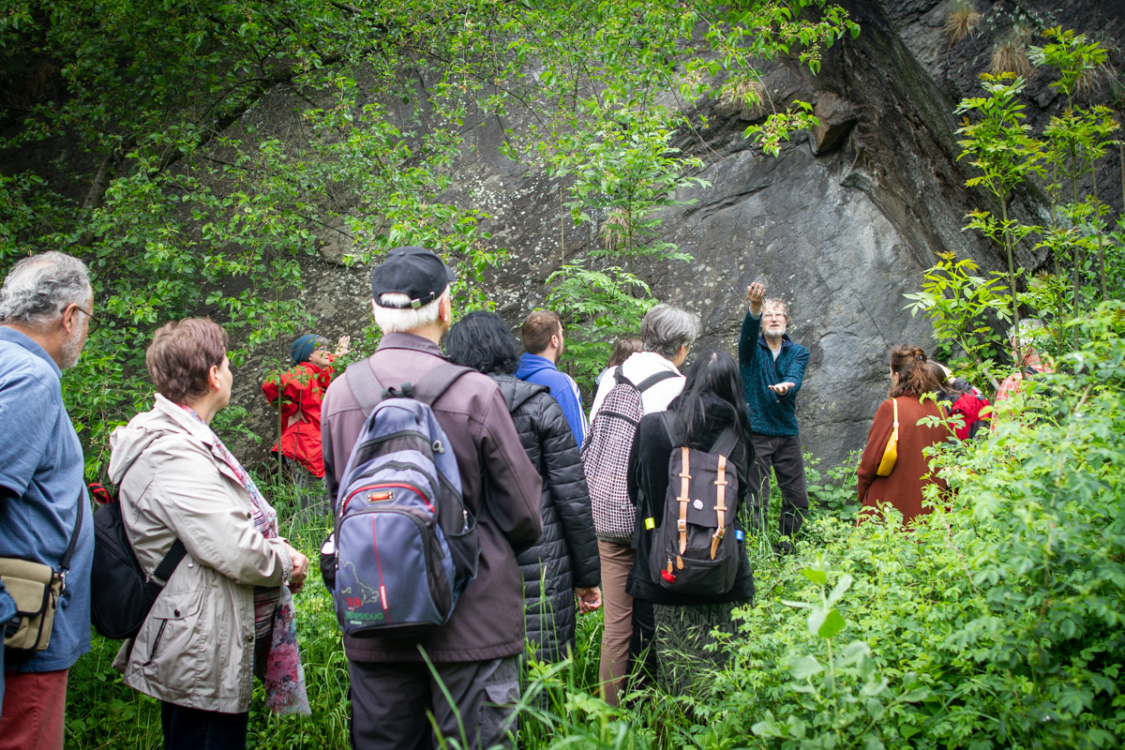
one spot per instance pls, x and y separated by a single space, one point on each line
614 230
961 20
1010 54
736 92
1087 82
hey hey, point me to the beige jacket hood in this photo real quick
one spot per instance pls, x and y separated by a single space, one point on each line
196 648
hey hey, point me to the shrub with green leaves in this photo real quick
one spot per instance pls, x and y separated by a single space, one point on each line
996 621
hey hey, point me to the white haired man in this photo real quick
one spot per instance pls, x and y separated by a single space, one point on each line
667 334
475 654
46 314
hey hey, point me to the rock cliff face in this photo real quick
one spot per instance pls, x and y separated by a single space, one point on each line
841 224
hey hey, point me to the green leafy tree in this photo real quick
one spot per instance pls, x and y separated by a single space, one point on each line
999 145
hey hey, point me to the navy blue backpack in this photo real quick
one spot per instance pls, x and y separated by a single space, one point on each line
406 545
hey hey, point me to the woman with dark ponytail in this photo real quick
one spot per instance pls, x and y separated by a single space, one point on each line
911 378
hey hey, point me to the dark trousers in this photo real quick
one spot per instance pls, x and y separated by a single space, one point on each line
192 729
783 454
642 652
390 703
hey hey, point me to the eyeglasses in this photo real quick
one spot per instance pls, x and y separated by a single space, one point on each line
94 322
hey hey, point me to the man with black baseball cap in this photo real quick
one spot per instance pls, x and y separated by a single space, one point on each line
476 653
411 271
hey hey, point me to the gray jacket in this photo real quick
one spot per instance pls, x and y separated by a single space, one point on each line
196 648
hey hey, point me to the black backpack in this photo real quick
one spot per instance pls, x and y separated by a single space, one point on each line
695 549
120 595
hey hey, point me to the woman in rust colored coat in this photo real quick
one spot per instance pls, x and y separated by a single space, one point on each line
910 377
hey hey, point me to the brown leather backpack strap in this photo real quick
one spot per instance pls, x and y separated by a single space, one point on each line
683 499
720 505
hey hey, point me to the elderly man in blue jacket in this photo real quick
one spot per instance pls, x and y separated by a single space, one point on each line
543 338
773 368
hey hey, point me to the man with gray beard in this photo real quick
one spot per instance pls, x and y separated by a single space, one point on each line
46 314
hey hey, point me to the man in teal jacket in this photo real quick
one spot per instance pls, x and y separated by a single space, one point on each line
773 368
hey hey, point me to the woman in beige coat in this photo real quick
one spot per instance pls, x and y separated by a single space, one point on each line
226 612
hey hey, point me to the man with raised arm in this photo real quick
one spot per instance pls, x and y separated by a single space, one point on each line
773 368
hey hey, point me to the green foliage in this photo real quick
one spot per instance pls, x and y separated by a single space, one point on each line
833 492
1005 603
960 303
850 703
211 147
1006 155
623 174
965 306
611 302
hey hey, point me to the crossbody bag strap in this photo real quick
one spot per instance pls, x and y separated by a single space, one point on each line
64 564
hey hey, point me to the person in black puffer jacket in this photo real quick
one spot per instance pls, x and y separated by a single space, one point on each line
564 563
673 631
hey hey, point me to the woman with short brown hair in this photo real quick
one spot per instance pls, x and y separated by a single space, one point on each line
226 612
911 378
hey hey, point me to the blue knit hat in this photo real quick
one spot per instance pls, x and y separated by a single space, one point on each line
303 347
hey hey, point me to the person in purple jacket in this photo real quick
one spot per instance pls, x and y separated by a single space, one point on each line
543 338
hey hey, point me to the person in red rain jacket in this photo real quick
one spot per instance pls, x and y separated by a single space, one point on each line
302 390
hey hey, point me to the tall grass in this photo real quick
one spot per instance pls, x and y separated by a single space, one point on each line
560 707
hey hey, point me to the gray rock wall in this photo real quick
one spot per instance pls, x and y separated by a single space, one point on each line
841 224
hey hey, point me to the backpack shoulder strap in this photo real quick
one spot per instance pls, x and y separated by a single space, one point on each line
726 443
437 381
169 564
652 380
364 384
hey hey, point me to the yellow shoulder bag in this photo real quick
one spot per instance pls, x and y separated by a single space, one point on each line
890 453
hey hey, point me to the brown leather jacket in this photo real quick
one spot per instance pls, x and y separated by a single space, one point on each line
488 620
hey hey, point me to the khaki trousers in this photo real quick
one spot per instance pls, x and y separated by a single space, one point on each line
617 561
